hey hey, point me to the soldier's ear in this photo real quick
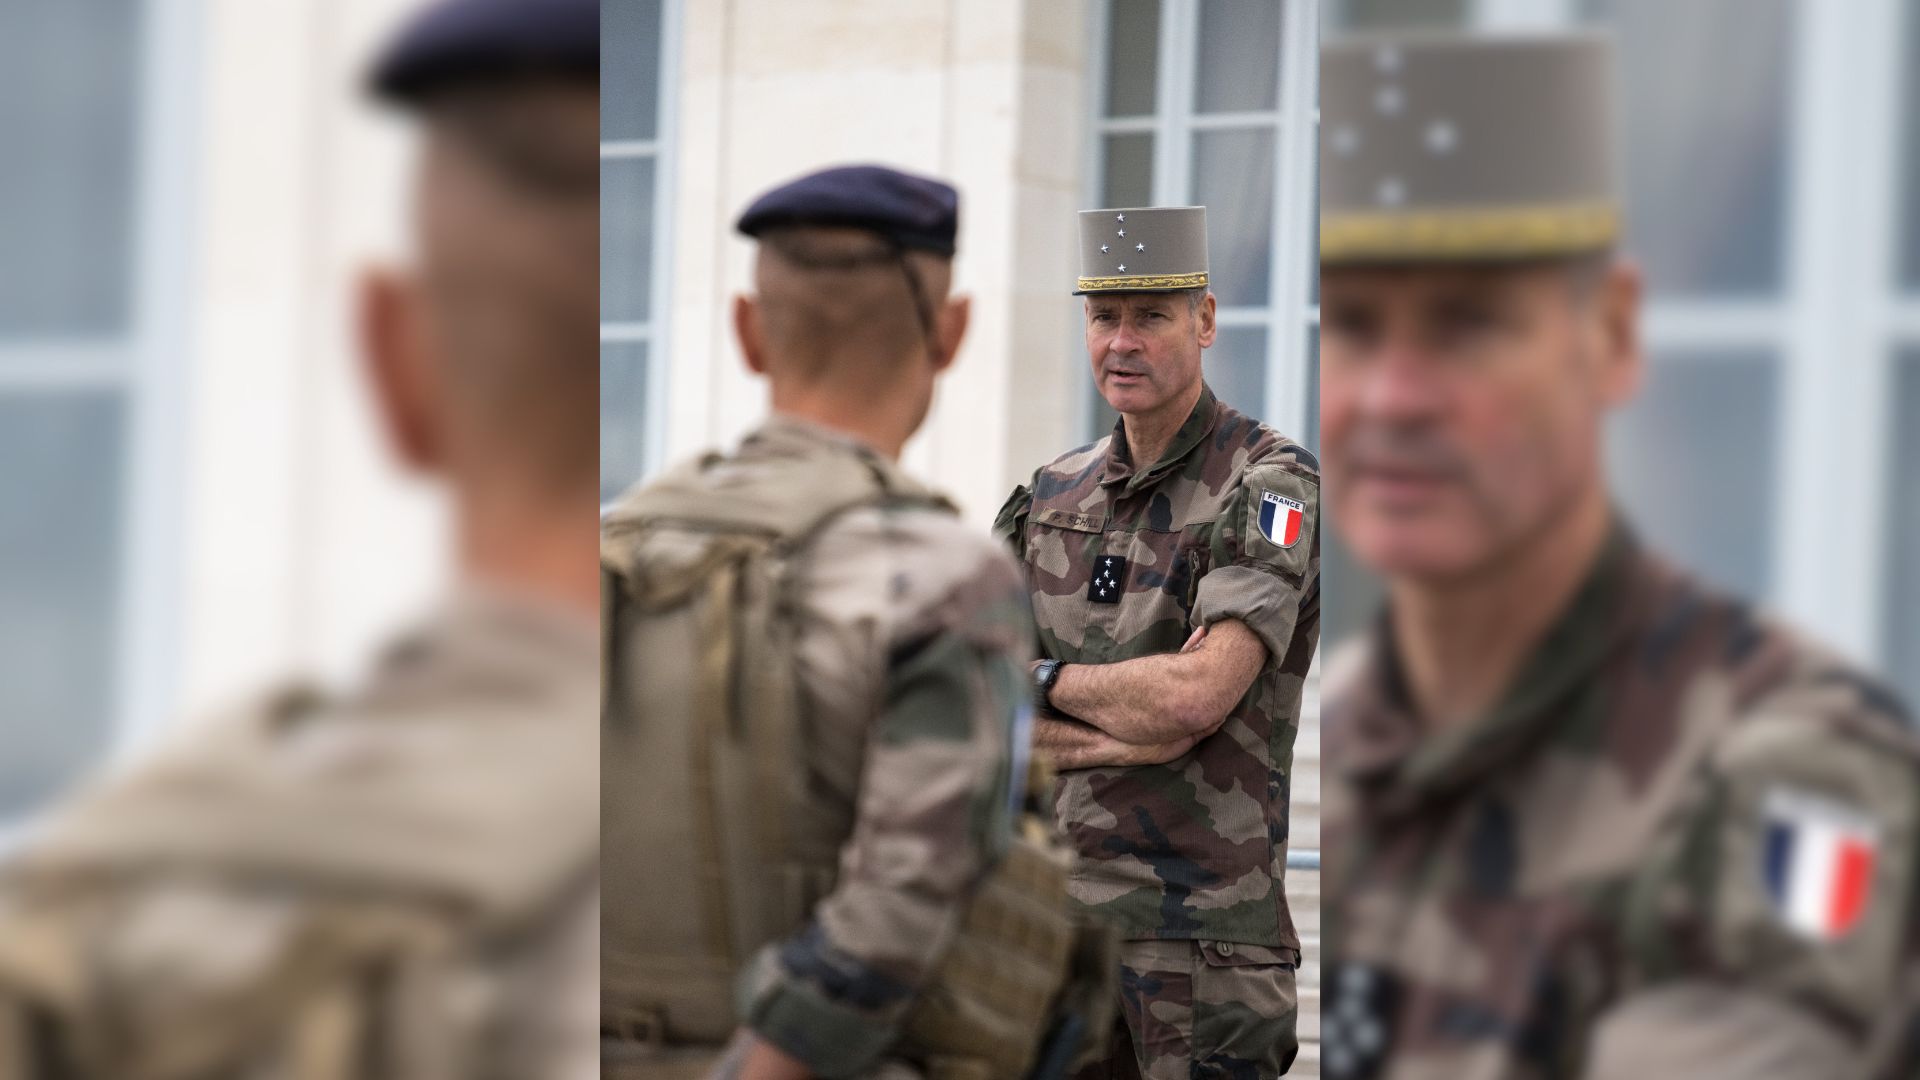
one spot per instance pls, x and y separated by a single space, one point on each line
402 366
746 328
1208 327
1623 354
951 330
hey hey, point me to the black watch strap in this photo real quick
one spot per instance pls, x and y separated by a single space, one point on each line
1045 674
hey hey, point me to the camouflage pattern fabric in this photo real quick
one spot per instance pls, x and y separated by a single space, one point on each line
1607 875
1195 848
397 884
1186 858
912 641
1210 1010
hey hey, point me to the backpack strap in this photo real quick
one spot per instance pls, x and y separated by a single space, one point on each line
720 548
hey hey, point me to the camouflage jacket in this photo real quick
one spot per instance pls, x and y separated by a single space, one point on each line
1124 563
398 883
1681 845
912 635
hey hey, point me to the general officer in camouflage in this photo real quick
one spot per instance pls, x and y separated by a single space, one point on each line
814 749
1584 817
1174 572
396 882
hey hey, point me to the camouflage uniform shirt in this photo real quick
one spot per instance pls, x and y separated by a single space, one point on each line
1125 562
1617 871
395 884
912 640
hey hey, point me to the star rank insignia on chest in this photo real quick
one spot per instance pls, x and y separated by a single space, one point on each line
1109 578
1357 1009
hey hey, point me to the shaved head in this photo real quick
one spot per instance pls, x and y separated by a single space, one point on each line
509 239
836 306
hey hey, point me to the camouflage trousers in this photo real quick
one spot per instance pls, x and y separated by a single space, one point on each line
1202 1010
632 1062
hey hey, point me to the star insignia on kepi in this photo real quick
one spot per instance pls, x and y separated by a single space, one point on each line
1104 249
1123 232
1120 217
1139 247
1123 268
1109 579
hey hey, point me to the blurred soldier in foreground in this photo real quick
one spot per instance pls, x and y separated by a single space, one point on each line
400 882
1584 817
1174 570
812 753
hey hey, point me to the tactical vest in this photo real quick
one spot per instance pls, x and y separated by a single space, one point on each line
710 846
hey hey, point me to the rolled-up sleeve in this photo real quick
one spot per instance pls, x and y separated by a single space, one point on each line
1265 554
932 818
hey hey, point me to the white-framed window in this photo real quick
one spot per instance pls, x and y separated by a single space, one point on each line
637 53
1896 427
1212 102
93 208
1771 152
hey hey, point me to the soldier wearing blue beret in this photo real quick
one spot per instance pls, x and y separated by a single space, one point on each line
818 846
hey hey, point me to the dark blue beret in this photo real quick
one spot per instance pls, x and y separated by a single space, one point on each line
464 41
912 211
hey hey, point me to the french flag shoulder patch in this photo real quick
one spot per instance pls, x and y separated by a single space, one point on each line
1280 518
1818 861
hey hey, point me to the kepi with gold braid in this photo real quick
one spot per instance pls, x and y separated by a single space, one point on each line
1142 249
1441 147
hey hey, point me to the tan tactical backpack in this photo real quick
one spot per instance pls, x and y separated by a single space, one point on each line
710 847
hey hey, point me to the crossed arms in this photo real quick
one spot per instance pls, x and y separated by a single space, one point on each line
1152 708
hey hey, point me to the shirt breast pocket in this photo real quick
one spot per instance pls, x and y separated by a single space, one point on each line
1064 551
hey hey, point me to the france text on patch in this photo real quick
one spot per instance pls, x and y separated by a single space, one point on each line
1280 518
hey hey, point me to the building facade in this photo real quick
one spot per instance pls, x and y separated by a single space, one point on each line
193 500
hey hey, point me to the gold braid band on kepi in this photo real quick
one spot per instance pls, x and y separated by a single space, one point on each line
1142 282
1497 232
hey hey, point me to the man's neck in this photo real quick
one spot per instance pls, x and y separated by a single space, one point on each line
1461 643
1150 433
546 554
872 421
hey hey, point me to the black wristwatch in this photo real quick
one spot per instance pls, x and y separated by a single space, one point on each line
1045 674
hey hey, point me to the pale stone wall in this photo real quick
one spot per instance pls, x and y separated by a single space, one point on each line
300 544
986 94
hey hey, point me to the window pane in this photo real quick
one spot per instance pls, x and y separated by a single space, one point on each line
1909 110
1233 179
66 120
1128 179
1351 596
629 69
1704 92
1310 438
1239 63
1692 464
623 415
626 239
1133 56
1236 368
1396 14
1903 523
60 524
1313 252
